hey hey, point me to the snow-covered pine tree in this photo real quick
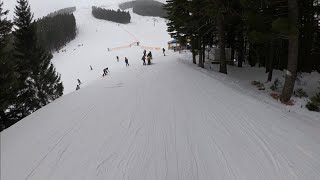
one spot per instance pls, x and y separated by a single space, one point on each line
40 84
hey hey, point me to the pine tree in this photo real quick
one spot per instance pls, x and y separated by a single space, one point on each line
7 69
39 83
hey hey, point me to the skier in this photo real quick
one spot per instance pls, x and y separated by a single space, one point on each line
150 54
91 67
144 60
105 72
149 57
127 61
79 82
117 58
78 87
164 51
144 52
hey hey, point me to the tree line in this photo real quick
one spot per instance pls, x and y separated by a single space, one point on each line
54 32
111 15
275 34
145 8
68 10
28 79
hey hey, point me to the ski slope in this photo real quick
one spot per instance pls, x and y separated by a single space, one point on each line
165 121
170 120
97 36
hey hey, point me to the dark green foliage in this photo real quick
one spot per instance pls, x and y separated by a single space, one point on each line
126 5
300 93
145 7
8 69
28 78
149 8
111 15
314 103
54 32
68 10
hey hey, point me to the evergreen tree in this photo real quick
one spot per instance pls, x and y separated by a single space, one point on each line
7 69
39 83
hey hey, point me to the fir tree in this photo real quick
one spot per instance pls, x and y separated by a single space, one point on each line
7 69
39 83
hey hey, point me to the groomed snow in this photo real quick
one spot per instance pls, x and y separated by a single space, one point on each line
171 120
165 121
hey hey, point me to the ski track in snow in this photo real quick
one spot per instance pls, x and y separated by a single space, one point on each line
166 121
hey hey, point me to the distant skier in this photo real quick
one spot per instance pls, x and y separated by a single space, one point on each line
78 87
105 72
150 54
144 52
126 61
117 58
164 51
91 67
144 60
149 57
79 82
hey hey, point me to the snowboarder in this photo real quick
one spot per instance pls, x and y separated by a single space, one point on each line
164 51
127 61
117 58
79 82
78 87
105 72
144 60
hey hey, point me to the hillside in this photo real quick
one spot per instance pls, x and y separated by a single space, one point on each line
170 120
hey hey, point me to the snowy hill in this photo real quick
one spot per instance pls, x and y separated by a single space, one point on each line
43 7
170 120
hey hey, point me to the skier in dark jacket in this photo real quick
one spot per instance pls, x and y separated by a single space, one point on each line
149 57
79 82
78 87
164 51
144 60
127 61
144 52
105 72
117 58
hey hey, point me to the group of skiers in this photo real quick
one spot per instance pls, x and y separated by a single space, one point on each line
145 57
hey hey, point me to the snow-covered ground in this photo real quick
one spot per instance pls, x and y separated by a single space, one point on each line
170 120
99 35
165 121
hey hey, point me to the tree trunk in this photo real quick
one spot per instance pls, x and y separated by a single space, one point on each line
222 45
200 54
293 50
271 57
193 55
241 48
204 53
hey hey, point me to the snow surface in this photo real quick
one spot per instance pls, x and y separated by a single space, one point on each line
171 120
165 121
